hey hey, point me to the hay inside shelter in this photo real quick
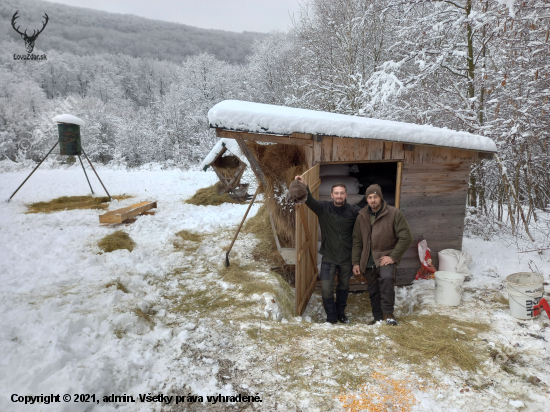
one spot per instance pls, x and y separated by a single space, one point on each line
115 241
72 202
210 196
266 248
280 164
227 165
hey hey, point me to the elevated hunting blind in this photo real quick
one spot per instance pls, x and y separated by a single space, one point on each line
423 171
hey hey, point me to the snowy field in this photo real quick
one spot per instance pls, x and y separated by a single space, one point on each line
149 322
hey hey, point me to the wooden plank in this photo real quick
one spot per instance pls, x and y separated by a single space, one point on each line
361 149
437 167
397 151
429 194
306 136
434 208
376 149
251 160
271 138
422 154
308 152
388 146
326 156
425 201
306 243
343 149
433 180
317 151
433 190
122 214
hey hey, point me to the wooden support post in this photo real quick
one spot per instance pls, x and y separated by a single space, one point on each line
253 163
398 184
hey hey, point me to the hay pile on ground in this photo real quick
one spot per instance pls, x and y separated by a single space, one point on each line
115 241
451 342
72 202
210 196
280 164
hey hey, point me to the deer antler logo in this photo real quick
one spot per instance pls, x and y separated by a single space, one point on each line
29 40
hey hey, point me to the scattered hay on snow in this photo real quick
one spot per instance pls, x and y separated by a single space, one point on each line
188 241
118 284
115 241
448 341
71 203
210 196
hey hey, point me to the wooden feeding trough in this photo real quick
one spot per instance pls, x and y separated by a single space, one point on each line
228 166
127 214
425 172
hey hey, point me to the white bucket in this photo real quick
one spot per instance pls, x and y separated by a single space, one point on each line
525 290
448 287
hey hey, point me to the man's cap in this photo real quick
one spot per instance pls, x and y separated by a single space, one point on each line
374 189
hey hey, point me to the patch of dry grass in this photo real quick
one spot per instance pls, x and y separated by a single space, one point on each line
118 285
115 241
71 203
188 241
210 196
441 338
251 284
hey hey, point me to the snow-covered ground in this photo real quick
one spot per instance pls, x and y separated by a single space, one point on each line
150 321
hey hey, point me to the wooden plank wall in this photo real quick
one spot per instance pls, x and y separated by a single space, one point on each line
433 199
433 192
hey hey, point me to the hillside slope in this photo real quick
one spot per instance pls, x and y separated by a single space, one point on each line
84 31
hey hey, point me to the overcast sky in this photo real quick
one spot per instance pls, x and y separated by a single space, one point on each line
231 15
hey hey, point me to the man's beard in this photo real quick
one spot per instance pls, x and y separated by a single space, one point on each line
339 202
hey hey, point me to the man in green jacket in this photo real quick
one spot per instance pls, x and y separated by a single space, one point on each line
381 236
336 219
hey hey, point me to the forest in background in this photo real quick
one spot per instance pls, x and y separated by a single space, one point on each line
85 32
479 66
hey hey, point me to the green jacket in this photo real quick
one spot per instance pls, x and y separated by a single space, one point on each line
385 233
336 228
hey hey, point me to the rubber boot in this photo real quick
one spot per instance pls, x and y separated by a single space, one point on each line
330 309
341 300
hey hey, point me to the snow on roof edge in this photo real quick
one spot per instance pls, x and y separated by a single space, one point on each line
270 119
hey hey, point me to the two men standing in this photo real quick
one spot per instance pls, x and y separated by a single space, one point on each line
373 239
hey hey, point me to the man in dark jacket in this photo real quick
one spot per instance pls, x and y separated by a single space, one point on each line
336 219
381 236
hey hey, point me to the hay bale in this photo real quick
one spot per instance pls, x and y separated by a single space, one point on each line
280 164
115 241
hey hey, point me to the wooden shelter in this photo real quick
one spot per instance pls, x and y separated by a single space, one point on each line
229 165
429 166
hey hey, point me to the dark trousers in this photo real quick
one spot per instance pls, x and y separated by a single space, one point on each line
381 288
328 271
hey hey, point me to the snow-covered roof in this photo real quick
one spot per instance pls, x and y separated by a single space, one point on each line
68 118
231 146
271 119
